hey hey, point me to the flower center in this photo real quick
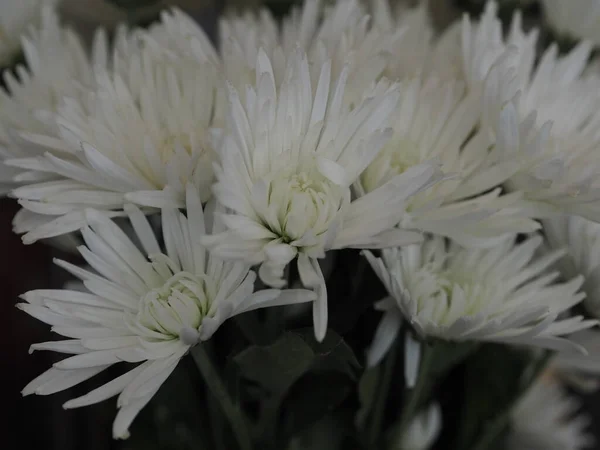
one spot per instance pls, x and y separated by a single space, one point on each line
395 158
176 309
447 295
303 202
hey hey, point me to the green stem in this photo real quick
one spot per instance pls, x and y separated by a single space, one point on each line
498 424
382 393
219 391
414 397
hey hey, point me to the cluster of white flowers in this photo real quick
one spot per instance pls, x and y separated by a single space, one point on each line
345 127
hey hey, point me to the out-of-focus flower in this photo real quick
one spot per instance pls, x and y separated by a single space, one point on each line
421 432
57 66
340 33
581 240
582 371
148 308
436 122
16 16
143 133
290 155
502 294
547 418
576 18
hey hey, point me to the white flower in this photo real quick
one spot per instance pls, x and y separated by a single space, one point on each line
580 371
56 66
547 418
556 175
435 121
289 157
546 117
148 308
141 136
500 294
422 431
581 240
342 34
16 16
417 51
575 18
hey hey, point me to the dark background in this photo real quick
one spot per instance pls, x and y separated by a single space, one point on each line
40 422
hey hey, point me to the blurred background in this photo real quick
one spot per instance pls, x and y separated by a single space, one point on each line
35 422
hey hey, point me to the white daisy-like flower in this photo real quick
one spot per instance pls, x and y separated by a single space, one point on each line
143 134
419 51
289 157
502 294
16 16
576 18
556 174
57 65
546 117
547 418
435 121
577 370
421 432
342 34
581 240
145 307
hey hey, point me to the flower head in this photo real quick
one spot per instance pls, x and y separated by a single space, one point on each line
289 158
500 294
581 240
578 370
421 432
16 16
556 174
141 307
436 122
141 136
547 418
577 18
341 35
57 66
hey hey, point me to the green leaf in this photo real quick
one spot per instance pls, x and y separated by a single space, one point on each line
277 366
309 400
296 357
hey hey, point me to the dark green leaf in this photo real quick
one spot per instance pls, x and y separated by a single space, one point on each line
296 356
310 399
276 367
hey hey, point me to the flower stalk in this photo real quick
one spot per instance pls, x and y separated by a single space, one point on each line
232 411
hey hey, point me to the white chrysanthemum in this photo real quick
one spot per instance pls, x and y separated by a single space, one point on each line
289 157
436 122
581 240
421 432
16 16
143 134
417 50
550 124
500 294
547 418
146 307
341 34
580 371
576 18
555 175
56 66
